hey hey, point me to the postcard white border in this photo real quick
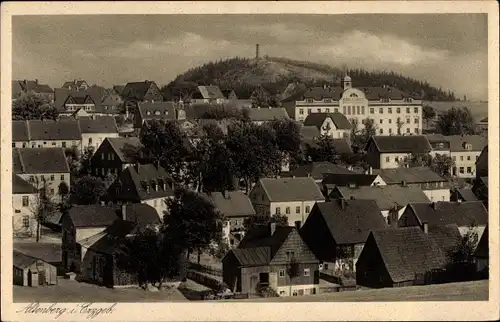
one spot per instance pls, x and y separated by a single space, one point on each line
227 311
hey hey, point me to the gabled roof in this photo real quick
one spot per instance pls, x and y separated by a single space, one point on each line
157 111
137 90
92 215
99 124
400 144
409 175
482 249
126 148
260 236
49 130
317 119
209 92
350 221
111 99
341 146
33 86
20 186
291 189
385 196
347 179
21 260
20 131
446 236
267 114
309 133
227 93
140 213
256 256
376 93
319 93
235 204
318 170
407 251
62 95
457 142
73 83
39 160
118 89
445 213
483 157
467 194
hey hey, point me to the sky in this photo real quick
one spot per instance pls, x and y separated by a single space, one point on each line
447 50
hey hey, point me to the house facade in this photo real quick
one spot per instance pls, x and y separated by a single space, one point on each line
439 144
31 271
24 203
46 134
465 151
76 85
272 257
114 155
70 101
292 197
23 87
95 129
384 105
208 95
334 125
262 115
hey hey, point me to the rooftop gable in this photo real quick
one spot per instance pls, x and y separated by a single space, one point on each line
40 160
409 175
291 189
445 213
416 144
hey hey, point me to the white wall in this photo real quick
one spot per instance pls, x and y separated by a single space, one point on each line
51 184
293 205
97 139
391 164
465 159
20 211
438 194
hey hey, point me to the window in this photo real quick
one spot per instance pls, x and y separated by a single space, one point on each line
349 110
327 110
90 140
468 146
301 111
408 120
461 169
297 210
148 112
416 130
415 110
336 110
155 203
282 273
52 177
26 201
398 110
13 145
381 110
63 144
102 156
44 143
390 131
24 144
309 100
362 110
278 210
387 159
469 170
396 159
477 157
287 210
43 177
372 110
408 110
309 111
308 209
390 121
358 110
381 121
461 158
62 177
468 158
307 272
390 110
344 110
32 179
26 221
381 131
408 130
454 158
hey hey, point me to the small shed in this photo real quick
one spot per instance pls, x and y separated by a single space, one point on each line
31 271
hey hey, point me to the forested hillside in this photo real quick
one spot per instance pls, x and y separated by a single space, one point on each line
273 74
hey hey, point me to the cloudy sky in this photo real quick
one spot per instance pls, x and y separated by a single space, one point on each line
448 50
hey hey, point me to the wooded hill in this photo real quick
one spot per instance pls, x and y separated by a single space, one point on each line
243 75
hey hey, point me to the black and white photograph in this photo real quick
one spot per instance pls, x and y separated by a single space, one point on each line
249 158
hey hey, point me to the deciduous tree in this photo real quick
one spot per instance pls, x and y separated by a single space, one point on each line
428 113
456 121
87 190
33 107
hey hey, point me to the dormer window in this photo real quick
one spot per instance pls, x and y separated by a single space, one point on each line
327 100
148 113
309 100
468 146
353 95
157 112
166 112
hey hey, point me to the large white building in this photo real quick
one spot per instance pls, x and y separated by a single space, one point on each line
387 106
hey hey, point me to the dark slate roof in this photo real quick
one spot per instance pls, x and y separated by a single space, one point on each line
291 189
118 89
21 186
136 90
346 179
34 86
61 95
260 236
467 194
40 160
352 223
446 236
256 256
484 180
66 129
401 143
73 83
385 196
317 119
482 249
99 124
407 251
376 93
125 148
309 133
140 213
20 131
319 93
267 114
111 240
210 92
457 142
293 89
436 138
157 111
444 213
21 260
92 215
409 175
317 170
341 146
236 204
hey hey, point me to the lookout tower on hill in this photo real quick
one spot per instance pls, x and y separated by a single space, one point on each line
257 53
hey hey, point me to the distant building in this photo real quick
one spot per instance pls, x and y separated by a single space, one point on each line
20 87
334 125
465 151
439 144
262 115
31 271
462 194
318 170
210 94
146 91
111 103
86 102
96 129
384 105
292 197
272 257
161 111
114 155
482 164
24 203
332 180
46 134
387 152
76 85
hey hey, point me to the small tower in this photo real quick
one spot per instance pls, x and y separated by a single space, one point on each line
347 83
257 54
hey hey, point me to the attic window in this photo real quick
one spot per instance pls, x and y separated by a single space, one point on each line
353 95
157 112
309 100
468 146
148 113
166 112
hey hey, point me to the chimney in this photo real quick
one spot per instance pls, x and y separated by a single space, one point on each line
257 54
370 170
124 211
426 227
272 228
297 224
403 183
433 205
36 81
394 221
225 193
74 81
342 203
